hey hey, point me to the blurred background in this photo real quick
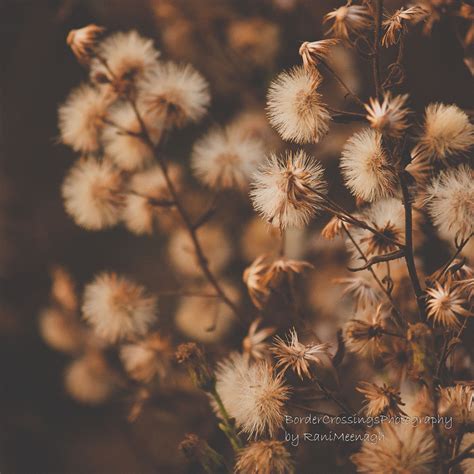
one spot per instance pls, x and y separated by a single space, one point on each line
238 45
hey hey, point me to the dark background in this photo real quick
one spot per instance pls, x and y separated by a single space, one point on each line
41 429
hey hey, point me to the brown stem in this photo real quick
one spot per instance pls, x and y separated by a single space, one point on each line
378 13
456 254
374 275
466 454
409 258
341 82
190 227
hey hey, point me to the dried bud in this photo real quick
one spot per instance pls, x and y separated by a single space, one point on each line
197 450
83 41
313 52
193 357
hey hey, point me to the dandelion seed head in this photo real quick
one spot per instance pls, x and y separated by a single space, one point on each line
365 166
121 142
252 394
118 308
93 194
389 116
294 106
401 448
288 191
224 159
129 58
450 202
348 19
174 95
81 119
446 132
264 457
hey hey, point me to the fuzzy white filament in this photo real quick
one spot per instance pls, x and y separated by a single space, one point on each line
294 106
289 190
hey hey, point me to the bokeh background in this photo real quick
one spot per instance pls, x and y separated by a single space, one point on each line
41 428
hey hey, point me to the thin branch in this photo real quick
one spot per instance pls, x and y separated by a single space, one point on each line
379 259
466 454
378 14
409 258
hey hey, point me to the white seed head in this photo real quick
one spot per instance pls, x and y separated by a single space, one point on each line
294 106
288 191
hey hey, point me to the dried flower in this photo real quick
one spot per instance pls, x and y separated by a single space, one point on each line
254 345
148 201
388 117
288 191
297 356
381 400
445 303
122 141
348 19
450 202
90 380
81 118
224 159
446 132
197 450
333 228
388 217
294 106
457 402
174 95
363 333
93 194
396 24
362 290
147 358
400 448
255 279
366 168
118 308
252 394
83 42
194 359
264 457
122 59
313 51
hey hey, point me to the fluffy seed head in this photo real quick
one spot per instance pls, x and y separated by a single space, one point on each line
252 394
457 402
288 191
348 19
381 400
89 379
126 150
402 448
292 354
450 202
148 203
224 159
362 290
129 57
117 308
81 119
93 194
175 95
365 166
147 358
446 132
294 106
264 457
388 117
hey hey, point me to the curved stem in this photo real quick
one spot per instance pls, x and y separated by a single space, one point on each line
378 14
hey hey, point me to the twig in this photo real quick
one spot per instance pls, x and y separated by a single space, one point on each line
466 454
379 259
409 258
378 14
